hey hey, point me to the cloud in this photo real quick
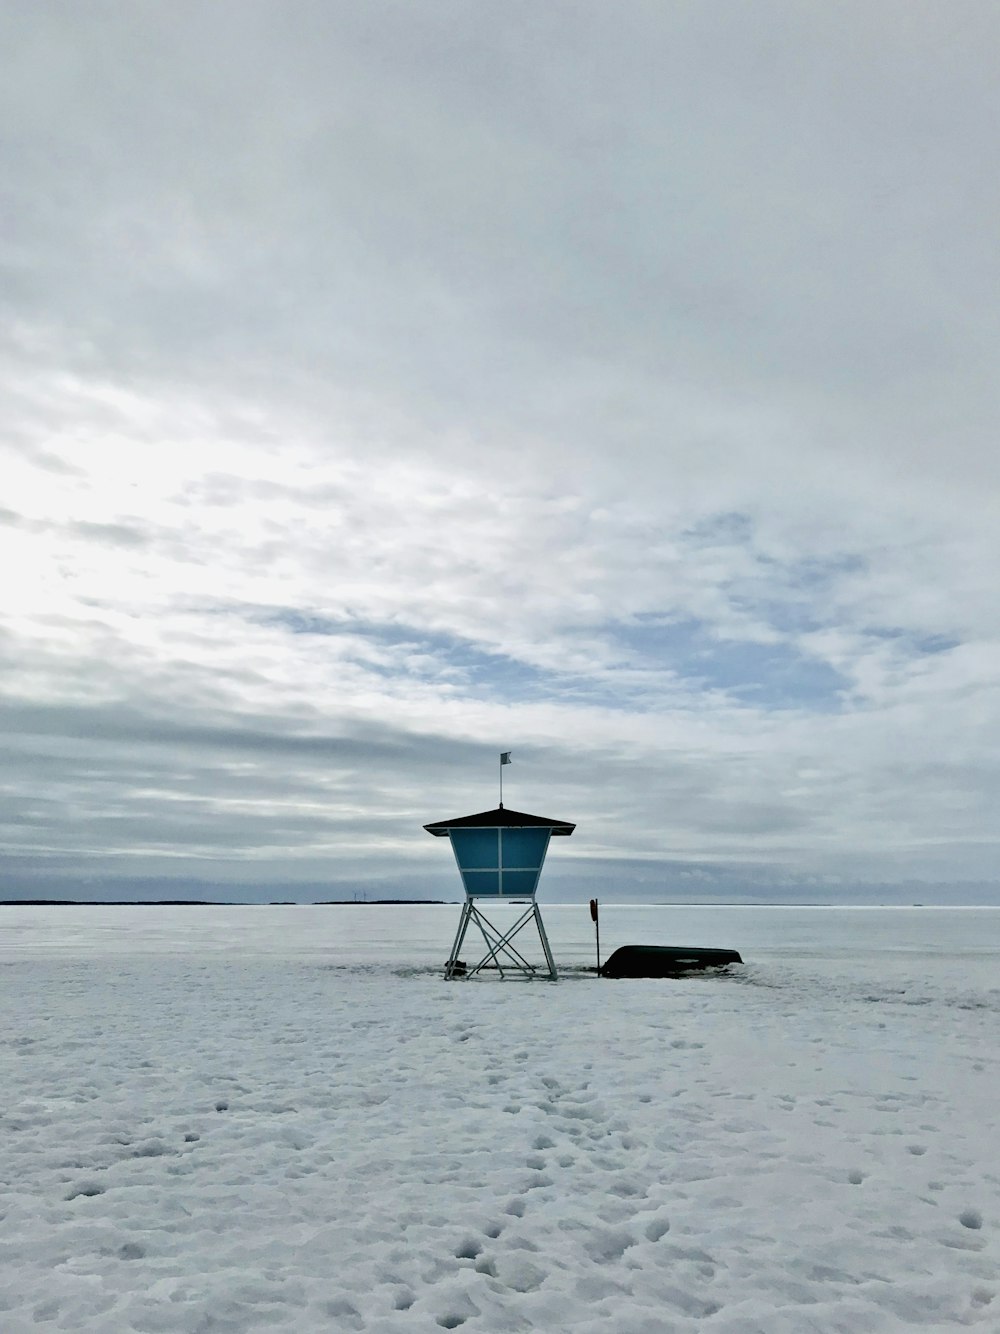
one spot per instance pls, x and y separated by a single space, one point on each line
388 387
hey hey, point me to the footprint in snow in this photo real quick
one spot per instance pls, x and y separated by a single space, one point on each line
459 1310
519 1273
347 1315
605 1247
971 1218
626 1189
86 1188
539 1182
151 1148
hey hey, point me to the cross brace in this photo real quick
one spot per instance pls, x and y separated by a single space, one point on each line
499 950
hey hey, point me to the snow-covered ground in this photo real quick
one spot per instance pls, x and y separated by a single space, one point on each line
229 1119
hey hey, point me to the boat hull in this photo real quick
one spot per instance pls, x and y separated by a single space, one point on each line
665 960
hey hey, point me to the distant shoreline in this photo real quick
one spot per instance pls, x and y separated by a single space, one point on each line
444 903
210 903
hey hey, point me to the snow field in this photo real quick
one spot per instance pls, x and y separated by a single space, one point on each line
196 1142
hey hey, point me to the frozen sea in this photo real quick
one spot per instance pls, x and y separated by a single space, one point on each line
224 1119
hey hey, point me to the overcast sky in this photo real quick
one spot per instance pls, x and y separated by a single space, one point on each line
386 385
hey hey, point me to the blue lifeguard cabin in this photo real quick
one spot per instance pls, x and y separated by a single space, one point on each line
500 854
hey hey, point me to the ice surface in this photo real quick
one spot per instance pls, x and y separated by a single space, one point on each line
225 1119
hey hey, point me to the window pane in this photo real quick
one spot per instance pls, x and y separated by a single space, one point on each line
480 884
524 848
475 848
519 883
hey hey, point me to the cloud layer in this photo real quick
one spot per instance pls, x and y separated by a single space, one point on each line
385 387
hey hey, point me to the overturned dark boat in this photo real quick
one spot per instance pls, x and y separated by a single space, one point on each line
665 960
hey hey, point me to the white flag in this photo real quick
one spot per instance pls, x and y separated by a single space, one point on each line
505 757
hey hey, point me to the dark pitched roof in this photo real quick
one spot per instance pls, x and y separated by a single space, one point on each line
502 818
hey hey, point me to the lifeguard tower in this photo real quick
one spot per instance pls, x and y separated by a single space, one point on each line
499 855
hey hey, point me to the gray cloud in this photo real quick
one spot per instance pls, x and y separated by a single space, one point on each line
387 386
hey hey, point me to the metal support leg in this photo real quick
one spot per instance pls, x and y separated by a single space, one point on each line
463 926
545 943
499 949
